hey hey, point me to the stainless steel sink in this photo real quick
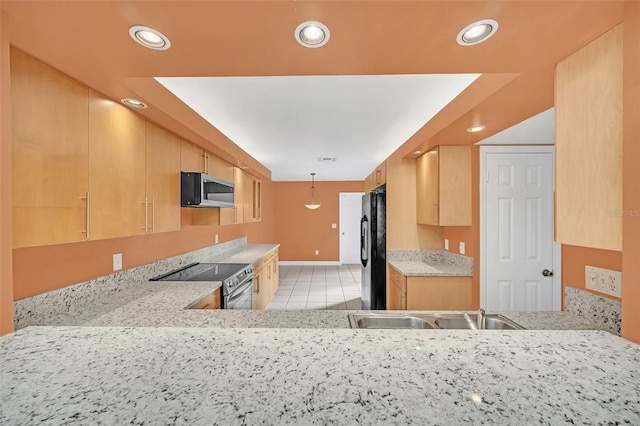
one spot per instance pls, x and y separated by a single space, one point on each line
431 321
387 321
491 322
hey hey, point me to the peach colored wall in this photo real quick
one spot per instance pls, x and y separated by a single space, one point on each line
470 234
575 258
631 173
45 268
6 288
301 231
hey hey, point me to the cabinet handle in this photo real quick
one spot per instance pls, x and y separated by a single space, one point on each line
258 287
378 174
402 305
87 230
205 166
433 212
146 215
153 215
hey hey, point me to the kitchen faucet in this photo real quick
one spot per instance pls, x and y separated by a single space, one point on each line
480 324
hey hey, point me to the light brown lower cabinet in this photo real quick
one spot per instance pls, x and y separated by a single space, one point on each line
265 279
211 301
428 293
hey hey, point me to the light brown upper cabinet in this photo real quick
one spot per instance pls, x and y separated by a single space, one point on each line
235 214
217 167
50 154
116 169
376 178
444 186
257 199
162 179
192 158
588 110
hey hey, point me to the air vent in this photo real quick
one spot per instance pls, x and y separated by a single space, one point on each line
327 159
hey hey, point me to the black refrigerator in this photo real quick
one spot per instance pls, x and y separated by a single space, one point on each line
373 249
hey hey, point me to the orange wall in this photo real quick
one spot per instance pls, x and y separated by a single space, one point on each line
6 288
575 258
631 173
470 234
301 231
45 268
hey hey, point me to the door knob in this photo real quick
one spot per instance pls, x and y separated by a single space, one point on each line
547 273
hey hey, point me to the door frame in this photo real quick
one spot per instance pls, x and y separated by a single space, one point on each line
359 194
556 248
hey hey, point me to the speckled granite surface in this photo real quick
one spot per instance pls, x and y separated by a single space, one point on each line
194 376
102 294
430 263
598 309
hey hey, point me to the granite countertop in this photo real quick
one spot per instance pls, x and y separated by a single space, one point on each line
430 263
81 375
253 253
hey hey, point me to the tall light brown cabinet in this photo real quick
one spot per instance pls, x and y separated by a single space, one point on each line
85 167
444 186
589 145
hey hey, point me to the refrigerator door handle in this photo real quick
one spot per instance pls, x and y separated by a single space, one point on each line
364 240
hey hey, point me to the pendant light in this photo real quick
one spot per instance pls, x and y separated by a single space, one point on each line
314 200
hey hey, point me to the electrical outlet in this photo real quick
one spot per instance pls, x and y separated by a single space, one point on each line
614 283
446 244
603 280
317 252
461 247
215 239
334 225
117 261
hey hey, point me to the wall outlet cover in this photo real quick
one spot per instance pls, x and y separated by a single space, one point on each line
117 261
604 281
446 244
317 252
462 247
215 239
334 225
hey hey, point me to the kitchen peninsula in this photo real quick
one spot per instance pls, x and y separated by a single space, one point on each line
137 355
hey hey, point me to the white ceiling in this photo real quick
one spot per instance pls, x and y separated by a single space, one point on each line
288 122
536 130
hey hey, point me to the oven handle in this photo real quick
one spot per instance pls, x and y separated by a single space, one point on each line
237 292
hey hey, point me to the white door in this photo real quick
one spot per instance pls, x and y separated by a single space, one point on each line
517 260
350 213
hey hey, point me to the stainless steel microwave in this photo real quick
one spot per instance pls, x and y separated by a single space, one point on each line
202 190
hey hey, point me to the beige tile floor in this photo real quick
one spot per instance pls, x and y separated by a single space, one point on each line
318 287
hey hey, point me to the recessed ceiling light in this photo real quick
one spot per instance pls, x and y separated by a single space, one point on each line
477 32
312 34
474 129
134 103
148 37
418 152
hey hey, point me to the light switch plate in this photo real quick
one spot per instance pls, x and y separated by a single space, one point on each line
334 225
446 244
462 248
117 261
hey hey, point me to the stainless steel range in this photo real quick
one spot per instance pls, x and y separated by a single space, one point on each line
237 281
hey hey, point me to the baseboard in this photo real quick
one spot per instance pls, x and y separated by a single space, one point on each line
310 263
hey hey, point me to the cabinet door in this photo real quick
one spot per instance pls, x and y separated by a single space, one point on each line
50 158
116 169
229 215
162 179
192 157
380 175
217 167
439 293
397 298
427 188
257 200
454 176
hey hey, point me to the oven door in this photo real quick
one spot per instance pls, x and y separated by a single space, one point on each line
241 297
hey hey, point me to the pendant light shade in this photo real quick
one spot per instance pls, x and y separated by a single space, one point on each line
313 202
